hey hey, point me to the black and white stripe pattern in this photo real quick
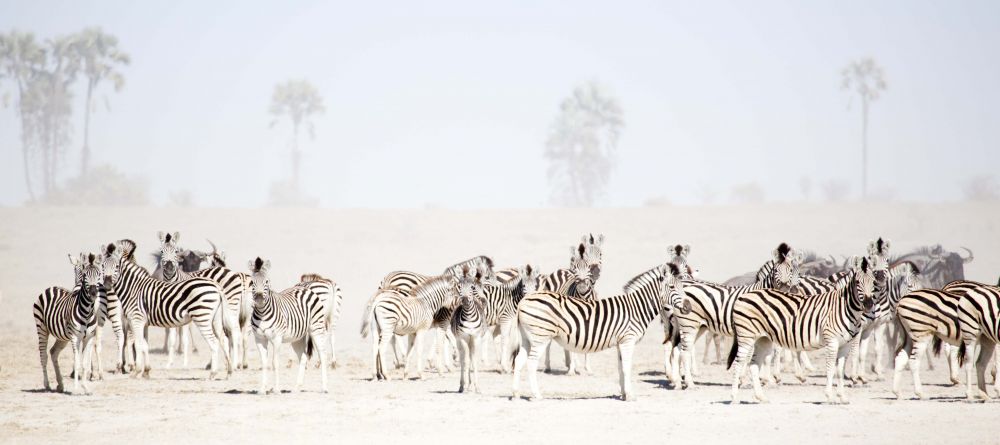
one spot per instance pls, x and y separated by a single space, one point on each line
150 302
393 313
468 326
576 281
500 309
712 306
769 317
296 315
70 317
979 320
329 291
109 310
589 326
923 316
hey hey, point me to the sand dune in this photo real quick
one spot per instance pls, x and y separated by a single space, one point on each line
357 247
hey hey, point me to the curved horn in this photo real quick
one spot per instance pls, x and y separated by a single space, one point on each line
969 259
214 249
833 260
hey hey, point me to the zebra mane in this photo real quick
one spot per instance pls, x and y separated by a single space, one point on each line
128 249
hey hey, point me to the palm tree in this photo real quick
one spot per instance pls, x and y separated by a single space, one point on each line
100 57
20 60
867 79
581 145
299 100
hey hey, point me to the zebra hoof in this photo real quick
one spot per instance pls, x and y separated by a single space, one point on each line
60 388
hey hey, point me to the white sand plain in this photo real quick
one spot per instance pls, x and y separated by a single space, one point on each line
356 247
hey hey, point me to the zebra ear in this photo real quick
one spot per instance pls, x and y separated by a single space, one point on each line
162 236
267 266
75 261
600 240
177 237
687 250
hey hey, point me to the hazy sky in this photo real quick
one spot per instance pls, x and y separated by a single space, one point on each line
449 103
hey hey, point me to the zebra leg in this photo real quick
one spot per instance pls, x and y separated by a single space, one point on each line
919 347
571 360
171 346
856 374
333 347
463 348
273 345
625 351
805 363
953 368
43 356
717 339
692 365
879 341
451 356
474 342
586 364
245 335
762 350
324 357
520 357
548 358
96 368
769 363
688 339
708 349
986 351
54 351
415 344
831 367
87 349
77 361
902 356
537 345
744 352
262 349
842 352
299 349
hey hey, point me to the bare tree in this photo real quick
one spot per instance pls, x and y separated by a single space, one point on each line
867 79
100 58
299 100
581 145
749 193
835 190
981 188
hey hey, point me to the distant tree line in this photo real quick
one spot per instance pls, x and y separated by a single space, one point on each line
43 76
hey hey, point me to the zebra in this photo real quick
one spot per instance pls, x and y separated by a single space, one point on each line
591 326
500 308
110 310
187 261
148 301
329 290
679 254
296 315
923 316
70 317
236 289
468 325
979 319
766 317
404 282
712 306
577 281
392 312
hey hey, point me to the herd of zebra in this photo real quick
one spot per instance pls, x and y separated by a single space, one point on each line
793 304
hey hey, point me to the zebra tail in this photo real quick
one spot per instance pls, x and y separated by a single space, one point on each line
732 354
514 343
961 354
936 346
367 318
309 347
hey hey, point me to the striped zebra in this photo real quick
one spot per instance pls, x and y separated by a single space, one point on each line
404 282
468 325
923 316
329 290
671 354
979 320
70 317
185 264
391 313
902 279
577 281
768 317
109 310
500 309
296 315
590 326
236 290
147 301
712 306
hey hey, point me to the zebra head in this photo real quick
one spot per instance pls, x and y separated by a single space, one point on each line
88 272
469 284
671 291
594 254
864 284
679 257
529 277
111 255
785 271
581 269
170 261
260 281
878 259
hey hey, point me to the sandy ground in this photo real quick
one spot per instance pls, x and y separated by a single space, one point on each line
357 247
